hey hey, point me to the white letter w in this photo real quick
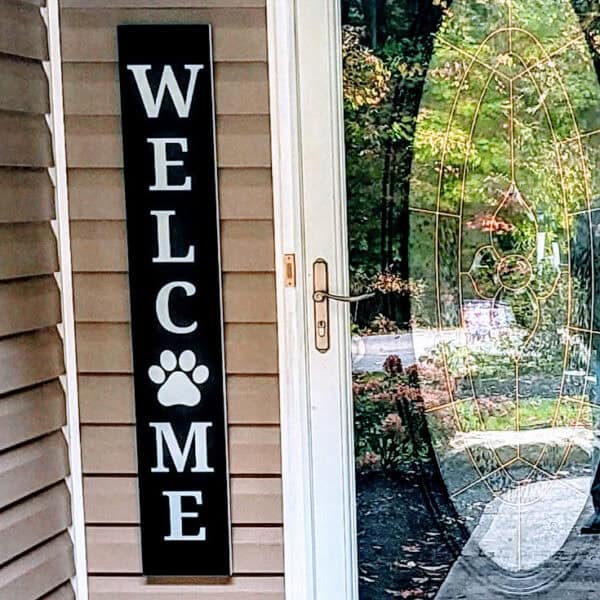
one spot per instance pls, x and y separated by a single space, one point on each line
167 82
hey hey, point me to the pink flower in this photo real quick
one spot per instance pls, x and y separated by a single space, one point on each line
369 460
393 364
392 423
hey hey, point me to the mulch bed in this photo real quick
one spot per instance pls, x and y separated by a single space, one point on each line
408 537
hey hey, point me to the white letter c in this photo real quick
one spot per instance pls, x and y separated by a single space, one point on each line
162 306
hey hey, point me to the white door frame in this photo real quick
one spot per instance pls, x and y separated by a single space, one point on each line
307 124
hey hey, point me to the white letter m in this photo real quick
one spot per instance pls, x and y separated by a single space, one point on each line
196 438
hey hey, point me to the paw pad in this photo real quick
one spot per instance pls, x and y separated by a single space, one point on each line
177 377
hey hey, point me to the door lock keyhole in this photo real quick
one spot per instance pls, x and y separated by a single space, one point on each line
322 329
321 298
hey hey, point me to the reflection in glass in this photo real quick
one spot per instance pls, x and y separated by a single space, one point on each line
472 135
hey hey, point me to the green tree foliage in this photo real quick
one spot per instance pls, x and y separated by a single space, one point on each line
396 130
379 135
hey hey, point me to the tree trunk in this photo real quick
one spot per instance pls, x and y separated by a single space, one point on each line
345 11
385 204
369 8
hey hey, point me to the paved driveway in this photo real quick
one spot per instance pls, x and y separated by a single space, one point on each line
369 352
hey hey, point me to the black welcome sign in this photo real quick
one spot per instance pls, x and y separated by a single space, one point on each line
166 79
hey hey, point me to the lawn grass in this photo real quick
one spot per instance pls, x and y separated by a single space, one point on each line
533 413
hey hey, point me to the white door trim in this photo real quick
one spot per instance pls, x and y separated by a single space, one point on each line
310 221
291 305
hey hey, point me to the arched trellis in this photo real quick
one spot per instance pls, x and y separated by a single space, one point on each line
487 257
399 22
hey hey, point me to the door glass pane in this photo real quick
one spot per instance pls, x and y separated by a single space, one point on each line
473 161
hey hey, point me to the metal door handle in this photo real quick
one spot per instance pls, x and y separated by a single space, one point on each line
321 297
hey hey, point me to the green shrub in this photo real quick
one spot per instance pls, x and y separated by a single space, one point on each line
388 419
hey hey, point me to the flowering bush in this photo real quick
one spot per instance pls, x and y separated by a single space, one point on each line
381 325
366 77
388 418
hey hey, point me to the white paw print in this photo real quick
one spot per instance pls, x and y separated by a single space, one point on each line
177 387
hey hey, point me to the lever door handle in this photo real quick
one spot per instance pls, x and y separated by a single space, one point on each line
321 297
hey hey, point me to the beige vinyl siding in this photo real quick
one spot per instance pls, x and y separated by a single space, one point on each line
95 142
239 34
136 588
113 500
36 556
101 294
22 32
253 185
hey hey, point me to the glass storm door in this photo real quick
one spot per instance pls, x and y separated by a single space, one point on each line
471 145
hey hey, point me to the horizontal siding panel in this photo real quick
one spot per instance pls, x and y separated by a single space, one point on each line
104 297
109 450
243 141
27 250
256 501
253 400
258 550
255 450
114 500
27 304
32 467
117 550
30 523
249 298
244 194
139 588
90 35
22 31
101 246
32 413
108 399
101 297
106 348
161 3
251 349
111 500
25 141
95 142
64 592
242 89
247 246
87 185
38 572
92 89
29 359
23 86
25 196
